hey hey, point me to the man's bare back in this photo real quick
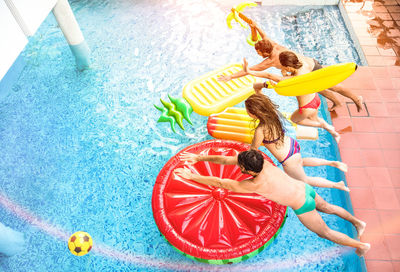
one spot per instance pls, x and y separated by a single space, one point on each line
274 184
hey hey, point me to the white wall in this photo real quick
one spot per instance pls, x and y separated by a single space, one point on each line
30 13
19 19
12 39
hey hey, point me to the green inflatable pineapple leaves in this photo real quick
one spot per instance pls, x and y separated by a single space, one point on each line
175 111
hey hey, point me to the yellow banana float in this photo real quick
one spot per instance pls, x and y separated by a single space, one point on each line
207 95
314 82
235 124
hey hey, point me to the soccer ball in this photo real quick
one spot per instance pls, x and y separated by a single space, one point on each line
80 243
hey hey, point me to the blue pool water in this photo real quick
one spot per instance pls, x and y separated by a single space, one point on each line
81 150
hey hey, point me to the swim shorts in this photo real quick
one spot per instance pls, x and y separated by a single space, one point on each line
309 204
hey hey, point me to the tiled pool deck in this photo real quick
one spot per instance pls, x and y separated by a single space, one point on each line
370 140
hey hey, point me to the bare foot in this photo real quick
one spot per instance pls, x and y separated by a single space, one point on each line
341 186
359 103
336 136
334 106
363 249
331 130
360 227
340 165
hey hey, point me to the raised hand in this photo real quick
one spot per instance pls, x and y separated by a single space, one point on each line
224 78
245 65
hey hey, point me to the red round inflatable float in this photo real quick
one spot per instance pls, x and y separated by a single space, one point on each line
211 224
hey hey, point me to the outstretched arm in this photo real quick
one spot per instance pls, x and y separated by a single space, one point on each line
193 158
262 33
228 184
264 65
263 74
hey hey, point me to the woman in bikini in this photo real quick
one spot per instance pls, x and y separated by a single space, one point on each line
270 132
289 60
307 114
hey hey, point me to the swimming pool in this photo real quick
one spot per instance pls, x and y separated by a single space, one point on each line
81 151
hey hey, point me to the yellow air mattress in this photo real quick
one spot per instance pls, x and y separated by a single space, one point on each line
235 124
314 81
207 95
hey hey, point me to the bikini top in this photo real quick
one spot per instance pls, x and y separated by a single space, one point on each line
277 139
273 141
270 142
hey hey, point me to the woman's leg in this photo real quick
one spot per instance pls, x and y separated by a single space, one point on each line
294 168
325 207
314 222
358 100
330 129
309 117
331 96
320 162
304 118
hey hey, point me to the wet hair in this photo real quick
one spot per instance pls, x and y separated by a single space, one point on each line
264 46
251 160
289 59
268 115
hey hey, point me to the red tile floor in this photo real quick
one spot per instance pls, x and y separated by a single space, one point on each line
370 139
370 145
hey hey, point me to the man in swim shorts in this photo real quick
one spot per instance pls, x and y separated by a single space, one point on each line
271 182
270 50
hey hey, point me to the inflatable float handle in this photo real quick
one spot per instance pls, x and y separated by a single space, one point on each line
242 16
253 34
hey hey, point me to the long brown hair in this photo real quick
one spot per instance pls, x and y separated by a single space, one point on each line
289 59
267 113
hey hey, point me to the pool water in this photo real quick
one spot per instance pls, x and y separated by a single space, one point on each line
82 150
